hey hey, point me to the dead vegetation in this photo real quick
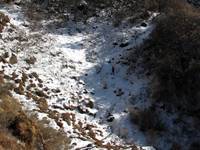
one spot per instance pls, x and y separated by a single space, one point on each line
171 57
3 21
147 119
81 10
19 131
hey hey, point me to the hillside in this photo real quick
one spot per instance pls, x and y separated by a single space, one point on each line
86 75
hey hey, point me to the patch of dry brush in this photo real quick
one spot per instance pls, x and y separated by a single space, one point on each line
172 55
18 131
3 21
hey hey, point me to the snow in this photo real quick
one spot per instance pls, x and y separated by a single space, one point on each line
84 66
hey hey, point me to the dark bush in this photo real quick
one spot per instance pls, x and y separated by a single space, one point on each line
147 119
173 57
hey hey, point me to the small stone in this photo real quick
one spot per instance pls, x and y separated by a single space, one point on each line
89 104
34 74
143 24
110 118
40 80
124 44
19 90
41 94
119 92
56 90
115 43
74 77
13 59
82 110
46 89
6 55
40 85
31 60
60 124
85 91
17 81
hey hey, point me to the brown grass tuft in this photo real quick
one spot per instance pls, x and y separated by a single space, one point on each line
18 131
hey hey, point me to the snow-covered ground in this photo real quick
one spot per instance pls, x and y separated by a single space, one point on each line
83 70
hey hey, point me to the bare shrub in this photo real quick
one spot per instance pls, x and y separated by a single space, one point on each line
3 21
173 57
16 125
147 120
7 141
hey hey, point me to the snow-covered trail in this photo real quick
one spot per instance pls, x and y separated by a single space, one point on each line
81 72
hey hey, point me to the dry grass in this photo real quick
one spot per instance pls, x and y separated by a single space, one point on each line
7 141
18 131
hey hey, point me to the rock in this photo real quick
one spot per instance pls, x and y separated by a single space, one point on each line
7 77
72 67
60 124
31 60
34 74
40 94
115 43
46 89
14 76
85 91
81 82
32 85
6 55
24 77
92 92
40 85
124 44
56 90
82 110
19 90
40 80
110 118
89 104
13 59
74 77
143 24
119 92
69 107
57 107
